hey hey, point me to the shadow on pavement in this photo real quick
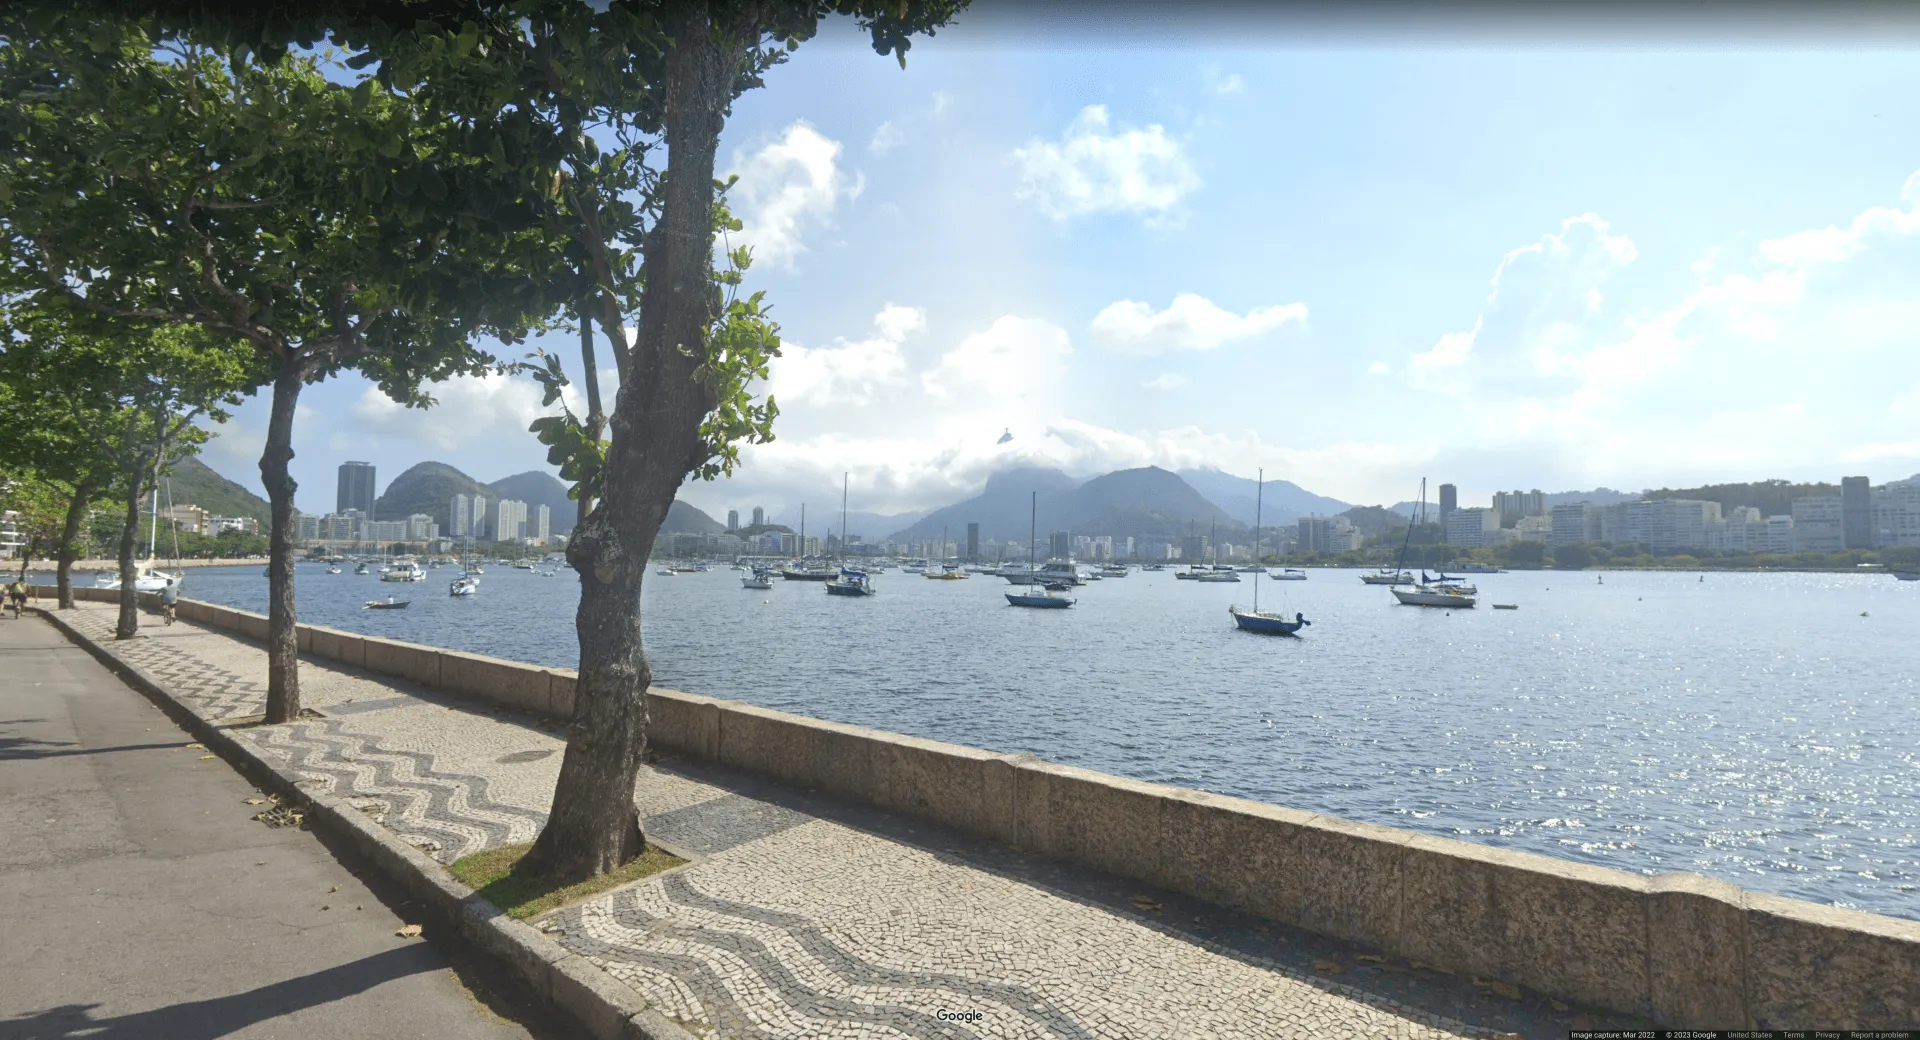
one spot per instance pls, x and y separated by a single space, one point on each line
220 1016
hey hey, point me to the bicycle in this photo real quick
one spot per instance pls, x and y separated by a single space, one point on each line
166 612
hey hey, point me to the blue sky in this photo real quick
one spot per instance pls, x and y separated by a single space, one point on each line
1227 253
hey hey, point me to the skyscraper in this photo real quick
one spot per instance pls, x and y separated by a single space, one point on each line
509 521
1060 545
973 541
1856 512
733 519
356 488
759 516
459 517
540 523
478 526
1449 501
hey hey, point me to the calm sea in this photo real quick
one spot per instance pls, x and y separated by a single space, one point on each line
1757 727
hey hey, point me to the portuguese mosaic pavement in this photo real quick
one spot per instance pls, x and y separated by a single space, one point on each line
788 923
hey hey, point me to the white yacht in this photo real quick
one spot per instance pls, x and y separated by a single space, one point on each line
1053 572
146 579
403 570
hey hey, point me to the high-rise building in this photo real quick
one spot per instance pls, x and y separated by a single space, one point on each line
1471 528
1665 524
973 541
759 516
1856 512
509 521
1514 506
1818 524
733 519
480 522
356 488
1896 515
459 517
421 528
540 524
1449 501
1060 545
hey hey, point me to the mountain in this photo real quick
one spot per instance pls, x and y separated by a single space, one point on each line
1282 501
685 519
192 484
1771 497
1148 503
537 488
1600 496
1000 509
428 488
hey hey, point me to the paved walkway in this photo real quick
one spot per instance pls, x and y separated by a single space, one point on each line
801 917
140 901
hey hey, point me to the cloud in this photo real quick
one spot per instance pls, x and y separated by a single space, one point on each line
1094 170
1166 381
852 372
1011 351
1191 322
1219 83
788 186
466 409
886 137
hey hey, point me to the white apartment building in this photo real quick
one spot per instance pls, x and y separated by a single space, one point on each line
540 524
1780 534
1818 524
1896 515
509 521
1537 528
1741 530
460 517
1665 524
1472 527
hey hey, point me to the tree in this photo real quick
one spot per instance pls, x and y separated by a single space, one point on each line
40 506
524 79
1572 557
326 227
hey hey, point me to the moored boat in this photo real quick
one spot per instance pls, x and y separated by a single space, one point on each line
1288 574
1432 596
463 587
850 583
1268 622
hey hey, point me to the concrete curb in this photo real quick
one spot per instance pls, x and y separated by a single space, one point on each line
609 1008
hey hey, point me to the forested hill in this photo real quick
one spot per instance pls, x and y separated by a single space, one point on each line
1771 497
193 484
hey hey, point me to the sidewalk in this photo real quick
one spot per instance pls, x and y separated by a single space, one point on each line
138 899
801 917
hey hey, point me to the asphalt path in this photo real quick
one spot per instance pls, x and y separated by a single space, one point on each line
139 900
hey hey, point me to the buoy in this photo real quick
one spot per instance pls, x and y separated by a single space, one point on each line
1863 613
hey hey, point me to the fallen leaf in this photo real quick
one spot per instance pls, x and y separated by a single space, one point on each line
408 931
202 747
1507 989
1556 1005
203 758
334 889
1329 967
256 801
1371 958
326 908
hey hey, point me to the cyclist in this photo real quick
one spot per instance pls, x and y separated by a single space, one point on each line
169 597
17 595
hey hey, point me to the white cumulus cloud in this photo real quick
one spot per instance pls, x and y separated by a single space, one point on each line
886 137
1191 322
1093 169
466 409
1011 351
851 372
790 185
1166 381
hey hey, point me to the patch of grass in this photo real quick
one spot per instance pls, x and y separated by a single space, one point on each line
493 874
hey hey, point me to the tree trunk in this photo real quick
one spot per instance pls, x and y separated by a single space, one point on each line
76 513
283 644
593 826
128 625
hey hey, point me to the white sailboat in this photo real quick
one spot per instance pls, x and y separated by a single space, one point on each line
1045 598
147 577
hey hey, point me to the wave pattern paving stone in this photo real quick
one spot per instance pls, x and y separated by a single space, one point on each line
787 925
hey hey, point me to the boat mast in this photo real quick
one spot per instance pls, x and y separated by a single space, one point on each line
1033 529
803 534
1259 485
1401 567
153 540
843 516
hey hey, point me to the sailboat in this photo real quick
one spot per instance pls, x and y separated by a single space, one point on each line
147 577
1044 598
1256 620
850 582
1426 595
947 571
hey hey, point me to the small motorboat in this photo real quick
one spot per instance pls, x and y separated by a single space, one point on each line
850 583
1506 606
362 569
1217 576
665 572
1043 600
332 569
1057 586
951 572
463 587
1432 596
388 604
757 580
1288 574
1268 622
1113 572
